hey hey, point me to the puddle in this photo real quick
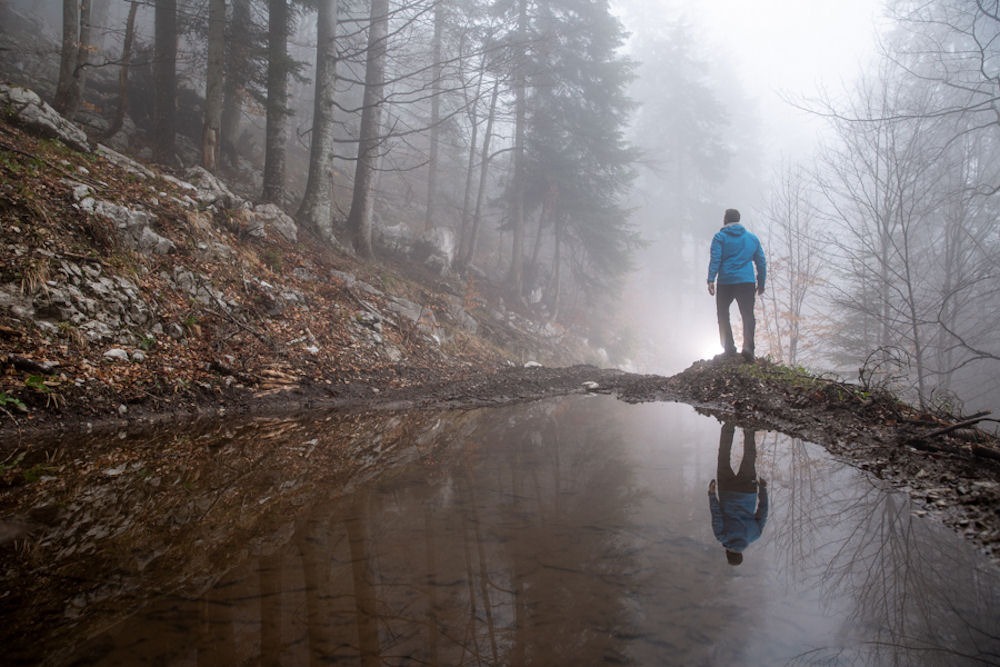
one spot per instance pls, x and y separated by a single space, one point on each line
570 531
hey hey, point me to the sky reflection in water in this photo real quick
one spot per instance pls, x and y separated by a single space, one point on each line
566 532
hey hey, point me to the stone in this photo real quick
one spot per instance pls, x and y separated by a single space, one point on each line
29 111
124 162
264 217
211 190
116 354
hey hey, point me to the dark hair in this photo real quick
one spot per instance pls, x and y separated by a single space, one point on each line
734 557
732 215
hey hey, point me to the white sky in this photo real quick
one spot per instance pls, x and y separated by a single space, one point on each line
783 48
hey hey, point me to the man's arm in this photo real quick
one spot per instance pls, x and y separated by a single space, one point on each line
718 528
761 263
714 262
762 505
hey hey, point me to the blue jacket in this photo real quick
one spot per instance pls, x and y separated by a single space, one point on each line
735 253
737 519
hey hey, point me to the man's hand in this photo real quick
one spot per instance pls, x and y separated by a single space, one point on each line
760 290
711 289
711 488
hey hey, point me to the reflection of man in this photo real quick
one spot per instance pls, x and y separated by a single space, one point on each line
739 512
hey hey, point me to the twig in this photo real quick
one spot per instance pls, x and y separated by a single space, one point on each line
972 421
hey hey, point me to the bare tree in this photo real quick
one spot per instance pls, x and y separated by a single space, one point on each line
73 56
238 44
123 68
359 220
213 84
165 81
794 263
435 122
316 209
276 130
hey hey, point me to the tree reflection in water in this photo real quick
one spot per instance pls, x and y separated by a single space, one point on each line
570 531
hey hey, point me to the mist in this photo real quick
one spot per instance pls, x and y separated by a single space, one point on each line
580 159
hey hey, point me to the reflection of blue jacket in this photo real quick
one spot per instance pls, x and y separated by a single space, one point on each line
736 518
735 252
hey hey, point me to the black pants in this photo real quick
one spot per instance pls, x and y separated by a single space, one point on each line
745 480
743 293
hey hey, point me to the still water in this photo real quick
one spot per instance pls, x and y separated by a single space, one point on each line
576 531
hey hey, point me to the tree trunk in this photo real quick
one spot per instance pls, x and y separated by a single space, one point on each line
237 55
316 210
359 221
275 134
73 57
213 84
484 165
435 139
516 274
122 108
165 81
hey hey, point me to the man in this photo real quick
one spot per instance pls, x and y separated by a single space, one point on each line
734 256
739 511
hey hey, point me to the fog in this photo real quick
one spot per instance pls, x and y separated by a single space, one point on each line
580 157
764 64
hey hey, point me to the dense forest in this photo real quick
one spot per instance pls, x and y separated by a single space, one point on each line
581 155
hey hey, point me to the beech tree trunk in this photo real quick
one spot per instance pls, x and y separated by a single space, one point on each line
73 57
237 55
211 131
316 210
276 131
359 221
435 138
516 273
165 81
122 108
484 164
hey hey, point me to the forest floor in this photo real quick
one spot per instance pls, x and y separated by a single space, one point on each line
317 352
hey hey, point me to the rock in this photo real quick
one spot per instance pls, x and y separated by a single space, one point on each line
436 249
532 364
408 309
116 354
395 238
28 110
150 241
347 278
211 190
124 162
263 217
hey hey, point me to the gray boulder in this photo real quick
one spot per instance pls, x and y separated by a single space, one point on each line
29 111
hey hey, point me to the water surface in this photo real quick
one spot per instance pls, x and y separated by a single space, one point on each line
565 532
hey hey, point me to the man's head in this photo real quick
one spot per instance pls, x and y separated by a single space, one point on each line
731 215
734 557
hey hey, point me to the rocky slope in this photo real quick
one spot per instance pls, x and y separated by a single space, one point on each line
127 291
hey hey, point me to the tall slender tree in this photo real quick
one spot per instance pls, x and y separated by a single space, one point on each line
73 57
359 220
238 73
316 209
165 81
214 79
276 129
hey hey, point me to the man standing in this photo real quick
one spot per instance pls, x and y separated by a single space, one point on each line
734 256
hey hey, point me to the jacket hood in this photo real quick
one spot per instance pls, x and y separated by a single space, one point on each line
734 229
